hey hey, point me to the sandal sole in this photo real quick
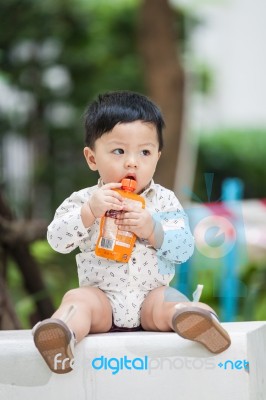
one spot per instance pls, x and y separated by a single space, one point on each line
198 325
51 338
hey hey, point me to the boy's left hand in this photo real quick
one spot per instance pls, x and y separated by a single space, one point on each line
136 220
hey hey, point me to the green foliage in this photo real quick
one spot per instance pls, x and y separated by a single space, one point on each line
254 306
23 302
59 55
210 272
241 154
58 271
232 153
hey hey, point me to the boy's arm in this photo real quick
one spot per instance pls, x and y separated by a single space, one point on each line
77 214
172 232
67 228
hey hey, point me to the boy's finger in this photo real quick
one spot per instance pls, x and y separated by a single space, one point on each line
111 185
111 195
128 207
127 218
115 206
114 200
115 195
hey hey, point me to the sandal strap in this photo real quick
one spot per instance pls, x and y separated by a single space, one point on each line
65 317
197 294
68 314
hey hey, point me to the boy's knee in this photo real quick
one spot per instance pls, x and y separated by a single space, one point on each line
172 295
72 294
91 298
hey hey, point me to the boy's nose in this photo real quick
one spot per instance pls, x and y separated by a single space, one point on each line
131 161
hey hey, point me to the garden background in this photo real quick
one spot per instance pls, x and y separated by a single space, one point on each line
202 62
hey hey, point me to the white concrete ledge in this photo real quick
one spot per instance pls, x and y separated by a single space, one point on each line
163 367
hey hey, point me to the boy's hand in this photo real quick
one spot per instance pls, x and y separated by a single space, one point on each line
137 220
105 199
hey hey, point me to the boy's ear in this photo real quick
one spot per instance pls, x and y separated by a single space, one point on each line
90 158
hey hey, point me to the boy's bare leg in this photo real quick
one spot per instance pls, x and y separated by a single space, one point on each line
157 313
93 311
55 337
191 320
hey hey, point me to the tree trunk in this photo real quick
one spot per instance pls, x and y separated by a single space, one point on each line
164 77
16 244
8 317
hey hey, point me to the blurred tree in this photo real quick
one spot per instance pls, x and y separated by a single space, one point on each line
232 153
55 56
159 43
14 241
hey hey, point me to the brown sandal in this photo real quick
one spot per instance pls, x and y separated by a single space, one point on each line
197 324
55 342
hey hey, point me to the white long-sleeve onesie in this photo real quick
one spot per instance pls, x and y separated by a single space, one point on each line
125 284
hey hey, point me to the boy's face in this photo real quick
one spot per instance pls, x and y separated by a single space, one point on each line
130 149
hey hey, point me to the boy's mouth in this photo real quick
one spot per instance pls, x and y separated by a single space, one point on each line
130 176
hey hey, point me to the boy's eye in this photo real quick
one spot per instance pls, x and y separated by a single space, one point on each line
118 151
146 152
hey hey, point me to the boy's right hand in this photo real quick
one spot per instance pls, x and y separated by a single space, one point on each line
105 199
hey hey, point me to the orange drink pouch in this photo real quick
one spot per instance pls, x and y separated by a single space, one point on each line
113 243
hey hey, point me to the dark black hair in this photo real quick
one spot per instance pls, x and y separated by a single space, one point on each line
116 107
